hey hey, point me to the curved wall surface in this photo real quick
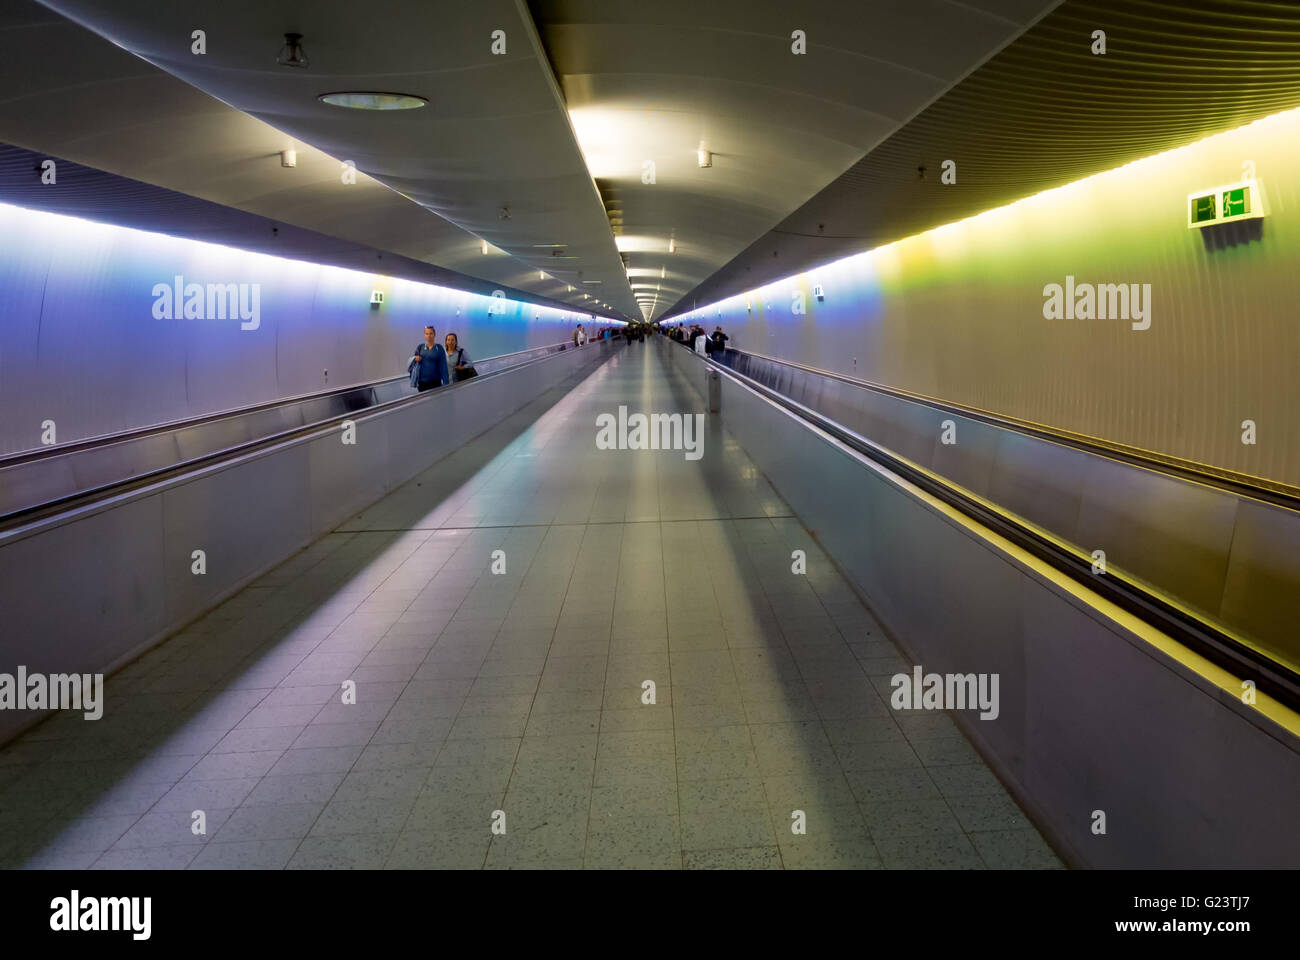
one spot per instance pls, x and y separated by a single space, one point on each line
958 313
94 337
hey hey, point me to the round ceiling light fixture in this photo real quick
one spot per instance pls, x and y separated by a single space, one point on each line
358 100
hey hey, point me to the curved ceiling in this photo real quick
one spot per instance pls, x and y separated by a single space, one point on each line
97 105
492 152
653 83
92 194
1044 112
814 156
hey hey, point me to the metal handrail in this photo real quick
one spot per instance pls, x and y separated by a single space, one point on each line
1259 488
82 498
1139 599
169 426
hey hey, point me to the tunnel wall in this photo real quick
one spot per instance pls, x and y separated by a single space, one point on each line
957 313
1097 711
81 342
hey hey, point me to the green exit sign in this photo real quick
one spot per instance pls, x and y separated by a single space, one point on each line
1204 208
1237 201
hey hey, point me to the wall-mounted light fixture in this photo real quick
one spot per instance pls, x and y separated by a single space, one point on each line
672 245
483 246
818 292
292 54
705 157
288 158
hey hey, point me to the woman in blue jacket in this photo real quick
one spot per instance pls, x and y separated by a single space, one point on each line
428 366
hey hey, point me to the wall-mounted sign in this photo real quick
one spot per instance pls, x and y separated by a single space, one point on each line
1237 201
376 296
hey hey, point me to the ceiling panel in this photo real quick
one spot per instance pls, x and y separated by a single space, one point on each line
100 106
814 157
92 194
655 82
1042 113
492 152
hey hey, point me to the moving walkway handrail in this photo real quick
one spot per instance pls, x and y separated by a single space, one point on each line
1259 488
52 507
168 426
1194 632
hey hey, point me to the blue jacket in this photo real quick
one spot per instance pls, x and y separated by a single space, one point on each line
432 367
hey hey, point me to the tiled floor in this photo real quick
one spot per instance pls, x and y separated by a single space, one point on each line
518 697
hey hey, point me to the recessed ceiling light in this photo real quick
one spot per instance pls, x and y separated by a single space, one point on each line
373 101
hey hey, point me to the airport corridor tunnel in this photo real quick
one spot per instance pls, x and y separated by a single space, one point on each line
586 436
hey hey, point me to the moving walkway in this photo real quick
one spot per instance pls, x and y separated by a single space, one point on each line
39 483
100 540
1202 555
1126 689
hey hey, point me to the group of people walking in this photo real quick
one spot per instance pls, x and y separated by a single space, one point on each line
435 364
698 340
580 334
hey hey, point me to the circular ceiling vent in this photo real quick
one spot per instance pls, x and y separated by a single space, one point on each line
373 101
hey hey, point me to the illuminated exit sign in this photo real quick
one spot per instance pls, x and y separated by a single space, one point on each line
1237 201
